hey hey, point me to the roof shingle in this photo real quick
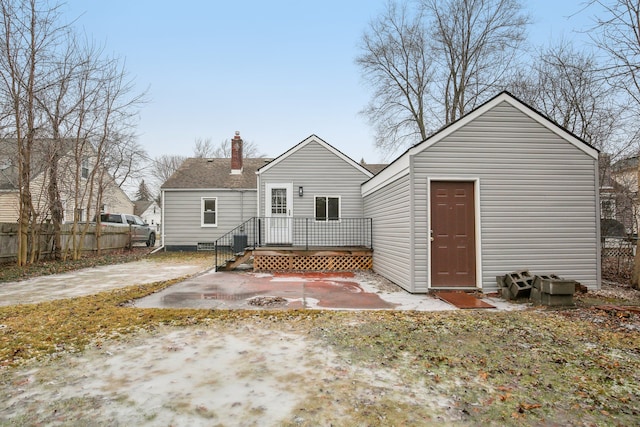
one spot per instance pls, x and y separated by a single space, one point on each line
214 174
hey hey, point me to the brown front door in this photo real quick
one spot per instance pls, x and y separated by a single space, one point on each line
453 246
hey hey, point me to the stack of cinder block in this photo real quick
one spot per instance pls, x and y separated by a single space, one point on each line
539 289
552 290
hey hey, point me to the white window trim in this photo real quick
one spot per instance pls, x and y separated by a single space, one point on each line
84 165
217 212
327 221
612 201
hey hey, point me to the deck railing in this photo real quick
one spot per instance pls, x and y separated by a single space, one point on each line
300 232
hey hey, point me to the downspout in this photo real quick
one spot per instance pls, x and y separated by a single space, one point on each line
161 247
242 206
258 195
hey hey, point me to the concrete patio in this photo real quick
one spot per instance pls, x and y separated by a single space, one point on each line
208 289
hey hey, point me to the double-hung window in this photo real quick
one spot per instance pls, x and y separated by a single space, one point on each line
85 168
327 208
209 206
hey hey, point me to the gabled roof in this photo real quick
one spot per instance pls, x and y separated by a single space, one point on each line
400 166
40 156
628 163
316 139
199 173
139 206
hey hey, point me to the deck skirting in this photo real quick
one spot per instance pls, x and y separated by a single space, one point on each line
271 259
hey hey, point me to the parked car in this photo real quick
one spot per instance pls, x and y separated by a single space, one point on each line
140 231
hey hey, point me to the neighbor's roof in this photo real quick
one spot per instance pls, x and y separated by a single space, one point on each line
198 173
139 206
374 168
40 155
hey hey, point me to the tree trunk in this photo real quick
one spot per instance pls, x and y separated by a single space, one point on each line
635 279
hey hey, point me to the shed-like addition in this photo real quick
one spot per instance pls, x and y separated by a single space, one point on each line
501 189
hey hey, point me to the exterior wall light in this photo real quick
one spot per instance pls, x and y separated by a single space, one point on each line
300 191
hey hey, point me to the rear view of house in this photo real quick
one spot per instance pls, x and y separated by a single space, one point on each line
501 189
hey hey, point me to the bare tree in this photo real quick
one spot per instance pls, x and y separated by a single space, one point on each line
28 38
117 105
617 34
431 65
475 41
223 150
203 148
58 104
396 62
164 166
569 86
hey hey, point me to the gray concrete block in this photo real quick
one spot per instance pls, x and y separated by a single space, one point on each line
535 296
558 287
520 288
537 280
556 300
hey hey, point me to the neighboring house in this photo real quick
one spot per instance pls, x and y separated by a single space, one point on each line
619 205
149 211
499 190
113 199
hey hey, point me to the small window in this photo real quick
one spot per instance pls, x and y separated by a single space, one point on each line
608 208
209 212
279 201
327 208
79 214
85 168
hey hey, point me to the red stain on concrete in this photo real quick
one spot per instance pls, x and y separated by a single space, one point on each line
346 295
330 290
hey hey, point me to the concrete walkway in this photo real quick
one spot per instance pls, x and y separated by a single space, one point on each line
91 281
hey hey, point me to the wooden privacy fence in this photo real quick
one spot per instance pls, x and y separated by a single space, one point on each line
111 238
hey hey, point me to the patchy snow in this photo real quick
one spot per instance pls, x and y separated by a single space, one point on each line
184 376
203 376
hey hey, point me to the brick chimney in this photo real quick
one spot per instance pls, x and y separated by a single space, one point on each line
236 154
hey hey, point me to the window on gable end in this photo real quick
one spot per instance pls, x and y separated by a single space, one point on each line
209 215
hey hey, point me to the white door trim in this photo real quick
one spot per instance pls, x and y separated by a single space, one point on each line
278 231
478 234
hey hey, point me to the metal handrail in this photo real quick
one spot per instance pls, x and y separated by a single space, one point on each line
302 232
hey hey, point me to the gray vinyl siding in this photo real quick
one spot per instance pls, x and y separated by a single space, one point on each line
390 208
182 215
538 196
320 172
